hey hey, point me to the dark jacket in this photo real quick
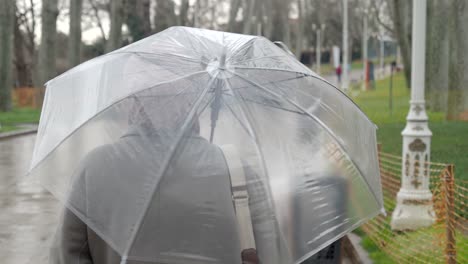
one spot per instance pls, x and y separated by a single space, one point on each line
107 194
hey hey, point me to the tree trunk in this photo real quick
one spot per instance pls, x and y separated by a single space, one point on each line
259 14
116 20
213 16
183 14
233 10
270 14
46 65
300 29
247 14
164 15
402 25
195 17
7 16
23 70
285 22
74 36
437 55
138 18
281 22
458 77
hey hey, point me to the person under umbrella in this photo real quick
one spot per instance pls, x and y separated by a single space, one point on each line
75 242
168 188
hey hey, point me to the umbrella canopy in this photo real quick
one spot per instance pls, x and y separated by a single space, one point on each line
192 145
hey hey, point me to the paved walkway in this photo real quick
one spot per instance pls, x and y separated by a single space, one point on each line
28 213
23 129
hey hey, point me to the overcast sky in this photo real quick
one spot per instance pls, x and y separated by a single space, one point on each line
90 29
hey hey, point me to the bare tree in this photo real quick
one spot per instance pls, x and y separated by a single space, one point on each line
401 16
206 13
46 65
138 18
195 17
27 20
300 28
7 18
458 66
95 10
74 37
23 73
183 13
213 16
164 15
249 6
25 43
270 14
233 10
437 54
116 21
280 21
259 17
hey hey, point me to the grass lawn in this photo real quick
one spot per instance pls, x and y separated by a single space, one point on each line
449 145
449 141
9 120
426 248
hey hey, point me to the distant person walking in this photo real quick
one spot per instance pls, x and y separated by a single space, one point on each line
338 73
372 75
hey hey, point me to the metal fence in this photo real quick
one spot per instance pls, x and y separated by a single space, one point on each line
444 242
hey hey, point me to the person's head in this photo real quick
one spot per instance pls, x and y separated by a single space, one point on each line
162 114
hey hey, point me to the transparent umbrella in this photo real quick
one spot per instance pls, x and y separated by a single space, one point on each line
191 146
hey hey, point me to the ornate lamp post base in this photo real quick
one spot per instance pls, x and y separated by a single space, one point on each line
414 207
414 210
414 200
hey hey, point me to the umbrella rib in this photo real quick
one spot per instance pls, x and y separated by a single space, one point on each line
306 74
340 144
238 119
259 58
109 106
195 60
244 112
242 48
272 106
188 120
276 107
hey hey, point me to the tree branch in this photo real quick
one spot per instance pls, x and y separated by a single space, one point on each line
96 15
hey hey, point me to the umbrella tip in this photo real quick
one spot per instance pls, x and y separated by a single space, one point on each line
222 58
218 67
124 260
383 212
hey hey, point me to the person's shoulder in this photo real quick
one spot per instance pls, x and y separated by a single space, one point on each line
98 156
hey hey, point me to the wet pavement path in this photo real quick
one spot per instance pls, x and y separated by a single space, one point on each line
28 213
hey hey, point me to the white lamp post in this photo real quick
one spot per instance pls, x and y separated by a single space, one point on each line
382 53
345 78
364 49
318 45
414 200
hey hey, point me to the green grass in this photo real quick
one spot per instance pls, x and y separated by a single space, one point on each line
449 142
10 120
374 252
448 145
7 128
427 245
